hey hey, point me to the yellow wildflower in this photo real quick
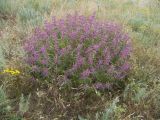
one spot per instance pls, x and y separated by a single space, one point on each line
11 71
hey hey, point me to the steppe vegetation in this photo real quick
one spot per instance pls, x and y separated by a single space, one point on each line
79 59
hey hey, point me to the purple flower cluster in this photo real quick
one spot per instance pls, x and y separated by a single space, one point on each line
102 86
84 45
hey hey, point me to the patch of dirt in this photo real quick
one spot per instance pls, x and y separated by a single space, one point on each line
6 16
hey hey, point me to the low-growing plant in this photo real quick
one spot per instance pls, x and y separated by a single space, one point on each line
112 112
39 5
5 107
2 60
3 101
5 6
10 45
136 91
33 12
29 15
8 7
82 49
24 104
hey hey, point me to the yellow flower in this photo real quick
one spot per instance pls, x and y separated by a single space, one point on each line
5 71
17 72
11 71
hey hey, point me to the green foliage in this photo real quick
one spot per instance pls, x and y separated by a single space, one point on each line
3 23
30 16
136 91
39 5
109 112
80 118
8 6
5 107
6 112
145 23
156 101
5 6
107 3
30 12
9 45
113 112
137 23
2 60
33 12
3 101
24 104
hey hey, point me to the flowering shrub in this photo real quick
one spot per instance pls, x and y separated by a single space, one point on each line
82 49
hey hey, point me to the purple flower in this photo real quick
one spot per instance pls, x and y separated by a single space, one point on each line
107 57
79 45
44 62
119 75
48 27
117 39
125 67
43 35
35 69
90 59
125 51
56 47
102 86
45 72
79 63
35 56
43 50
85 73
65 50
